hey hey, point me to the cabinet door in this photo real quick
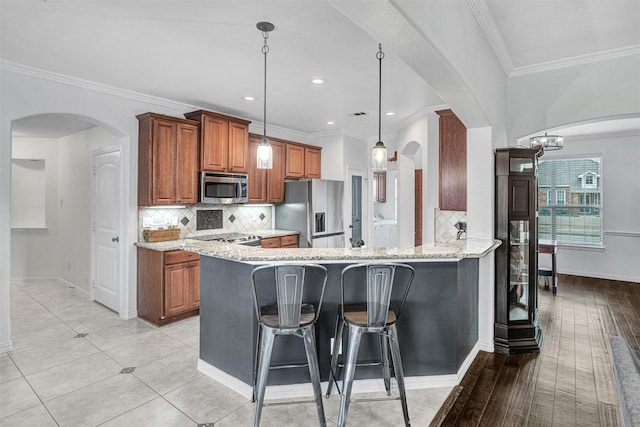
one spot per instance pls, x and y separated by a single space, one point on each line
311 163
187 164
380 187
294 161
275 176
290 241
238 147
194 284
453 162
214 144
271 242
177 289
163 159
257 191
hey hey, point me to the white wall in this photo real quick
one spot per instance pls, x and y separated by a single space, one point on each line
35 252
581 93
333 157
621 210
28 92
411 141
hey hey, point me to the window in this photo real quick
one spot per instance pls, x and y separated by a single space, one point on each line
570 200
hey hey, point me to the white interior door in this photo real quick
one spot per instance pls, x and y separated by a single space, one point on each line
107 219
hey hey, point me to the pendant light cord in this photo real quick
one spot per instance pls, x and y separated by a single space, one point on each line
380 55
265 50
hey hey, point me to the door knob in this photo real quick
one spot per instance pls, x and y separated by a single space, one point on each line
115 239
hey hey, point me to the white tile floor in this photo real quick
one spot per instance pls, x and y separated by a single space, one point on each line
58 376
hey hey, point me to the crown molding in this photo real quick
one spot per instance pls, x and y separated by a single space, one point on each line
588 58
93 86
481 12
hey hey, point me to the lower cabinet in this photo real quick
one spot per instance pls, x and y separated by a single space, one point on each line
288 241
168 285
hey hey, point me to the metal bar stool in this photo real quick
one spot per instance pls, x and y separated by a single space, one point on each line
384 289
287 300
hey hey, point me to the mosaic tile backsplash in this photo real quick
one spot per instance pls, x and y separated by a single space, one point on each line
445 225
213 219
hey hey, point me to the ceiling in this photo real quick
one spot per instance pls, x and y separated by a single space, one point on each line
207 54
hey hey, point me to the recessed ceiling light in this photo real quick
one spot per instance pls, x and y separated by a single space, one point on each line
249 98
331 123
318 81
389 113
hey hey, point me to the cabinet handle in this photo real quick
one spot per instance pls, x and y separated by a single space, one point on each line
115 239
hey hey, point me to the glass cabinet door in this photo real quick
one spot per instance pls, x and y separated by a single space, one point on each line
519 270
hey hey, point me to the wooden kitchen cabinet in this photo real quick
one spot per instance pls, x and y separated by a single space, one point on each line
224 142
380 187
302 161
266 185
287 241
453 162
312 162
167 160
168 285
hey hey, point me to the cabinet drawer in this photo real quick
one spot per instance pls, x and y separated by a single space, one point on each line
272 242
290 240
173 257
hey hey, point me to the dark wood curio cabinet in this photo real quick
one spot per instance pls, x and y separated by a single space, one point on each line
516 306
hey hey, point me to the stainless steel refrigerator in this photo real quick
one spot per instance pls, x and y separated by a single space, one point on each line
314 208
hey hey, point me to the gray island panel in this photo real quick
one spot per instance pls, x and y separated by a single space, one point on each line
437 330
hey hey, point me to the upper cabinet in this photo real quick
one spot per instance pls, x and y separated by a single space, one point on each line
380 187
302 161
224 142
453 162
266 185
167 160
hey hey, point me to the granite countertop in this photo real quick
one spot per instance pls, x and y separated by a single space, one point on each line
468 248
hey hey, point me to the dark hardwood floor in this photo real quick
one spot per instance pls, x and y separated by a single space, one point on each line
570 382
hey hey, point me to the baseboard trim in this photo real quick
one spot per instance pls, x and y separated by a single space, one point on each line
466 364
6 346
600 275
297 391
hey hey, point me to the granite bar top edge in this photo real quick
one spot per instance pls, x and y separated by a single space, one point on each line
468 248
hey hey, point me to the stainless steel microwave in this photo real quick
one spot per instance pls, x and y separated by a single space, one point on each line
221 188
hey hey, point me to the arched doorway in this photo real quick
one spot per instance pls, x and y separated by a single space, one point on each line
62 249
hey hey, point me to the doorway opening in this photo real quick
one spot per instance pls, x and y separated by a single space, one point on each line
60 250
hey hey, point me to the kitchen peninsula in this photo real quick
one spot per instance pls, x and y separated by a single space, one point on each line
438 329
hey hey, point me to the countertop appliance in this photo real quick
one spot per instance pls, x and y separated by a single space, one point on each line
223 189
236 238
313 207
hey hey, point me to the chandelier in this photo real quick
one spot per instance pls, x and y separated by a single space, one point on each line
548 142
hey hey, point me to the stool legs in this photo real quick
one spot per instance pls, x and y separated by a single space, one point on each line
355 334
386 370
264 351
337 339
264 360
314 370
397 367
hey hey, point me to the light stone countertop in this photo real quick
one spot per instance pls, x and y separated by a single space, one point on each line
453 251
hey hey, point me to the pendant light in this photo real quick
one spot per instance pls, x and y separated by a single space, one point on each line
379 154
265 153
